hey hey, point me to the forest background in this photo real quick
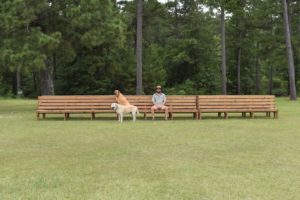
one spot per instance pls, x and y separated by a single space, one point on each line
76 47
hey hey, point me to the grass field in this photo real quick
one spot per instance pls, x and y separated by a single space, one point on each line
211 159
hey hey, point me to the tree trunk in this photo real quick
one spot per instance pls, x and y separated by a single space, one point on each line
176 10
46 77
299 27
223 46
257 75
139 36
298 10
298 17
290 56
239 52
19 86
34 83
271 80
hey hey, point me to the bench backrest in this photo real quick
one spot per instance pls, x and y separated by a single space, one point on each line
101 103
78 103
210 103
179 103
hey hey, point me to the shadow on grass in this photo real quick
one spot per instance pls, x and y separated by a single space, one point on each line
157 118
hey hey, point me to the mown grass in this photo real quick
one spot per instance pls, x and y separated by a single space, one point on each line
211 159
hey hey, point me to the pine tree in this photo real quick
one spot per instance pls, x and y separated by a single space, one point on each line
290 55
139 47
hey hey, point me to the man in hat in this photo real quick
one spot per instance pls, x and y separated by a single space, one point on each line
159 100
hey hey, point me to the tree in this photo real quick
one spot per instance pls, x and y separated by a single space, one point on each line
223 52
26 45
290 56
139 48
96 46
223 5
94 58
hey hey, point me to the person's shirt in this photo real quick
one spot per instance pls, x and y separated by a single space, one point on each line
159 99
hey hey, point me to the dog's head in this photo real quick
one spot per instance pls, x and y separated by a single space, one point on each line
117 93
114 106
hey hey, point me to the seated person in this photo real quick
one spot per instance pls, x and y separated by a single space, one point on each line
159 100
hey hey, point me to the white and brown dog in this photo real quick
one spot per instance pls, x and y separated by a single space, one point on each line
121 109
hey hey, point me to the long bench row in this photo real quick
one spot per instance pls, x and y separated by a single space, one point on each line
197 105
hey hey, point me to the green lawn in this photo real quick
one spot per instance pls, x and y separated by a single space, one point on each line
211 159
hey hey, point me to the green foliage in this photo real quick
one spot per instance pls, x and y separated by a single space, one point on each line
89 45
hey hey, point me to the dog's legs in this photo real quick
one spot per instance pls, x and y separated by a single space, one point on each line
134 117
136 112
121 117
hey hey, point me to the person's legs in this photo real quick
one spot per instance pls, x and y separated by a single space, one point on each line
166 109
153 109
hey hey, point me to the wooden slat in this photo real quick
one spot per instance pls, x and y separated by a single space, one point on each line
235 100
74 103
74 107
236 96
237 110
75 111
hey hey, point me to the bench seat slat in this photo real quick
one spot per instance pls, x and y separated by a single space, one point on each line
238 111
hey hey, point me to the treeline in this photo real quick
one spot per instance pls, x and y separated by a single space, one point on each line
189 46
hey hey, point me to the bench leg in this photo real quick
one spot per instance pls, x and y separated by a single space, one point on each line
65 116
145 116
38 116
44 115
244 114
170 116
219 114
199 115
196 115
68 115
92 116
252 115
276 115
226 115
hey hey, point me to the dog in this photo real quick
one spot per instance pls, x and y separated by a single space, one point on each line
120 99
121 109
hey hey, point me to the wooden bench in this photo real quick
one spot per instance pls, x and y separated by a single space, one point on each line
237 104
197 105
67 105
